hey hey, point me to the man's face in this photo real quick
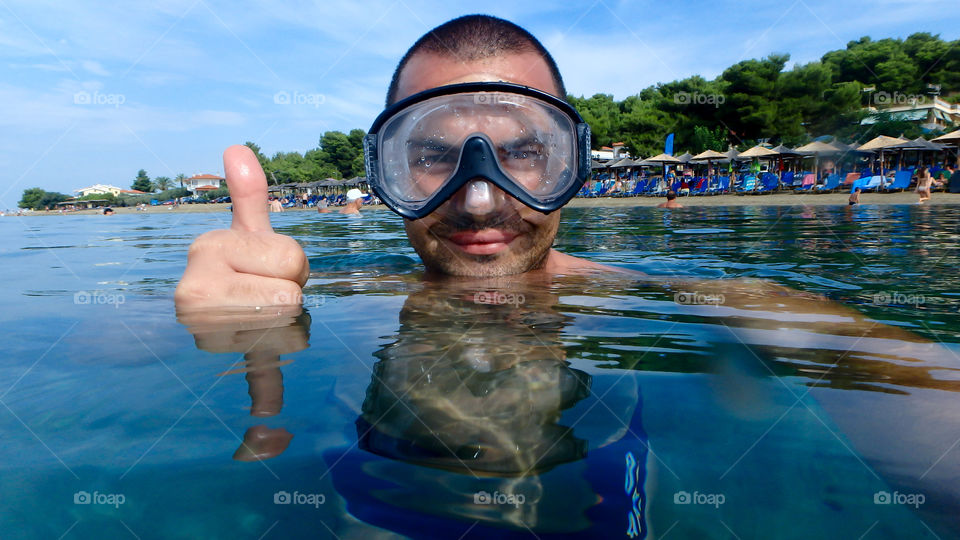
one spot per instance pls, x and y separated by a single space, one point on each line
480 231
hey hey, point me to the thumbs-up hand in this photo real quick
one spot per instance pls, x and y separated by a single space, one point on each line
247 264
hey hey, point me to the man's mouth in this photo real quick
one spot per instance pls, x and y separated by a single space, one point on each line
483 242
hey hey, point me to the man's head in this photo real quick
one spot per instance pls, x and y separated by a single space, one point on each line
671 195
480 230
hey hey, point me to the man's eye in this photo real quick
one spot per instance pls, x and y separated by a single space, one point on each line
523 154
427 159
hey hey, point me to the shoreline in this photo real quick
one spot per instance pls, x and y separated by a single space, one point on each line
769 199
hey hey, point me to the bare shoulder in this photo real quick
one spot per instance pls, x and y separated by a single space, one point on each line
561 263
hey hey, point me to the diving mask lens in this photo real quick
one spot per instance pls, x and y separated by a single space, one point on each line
425 150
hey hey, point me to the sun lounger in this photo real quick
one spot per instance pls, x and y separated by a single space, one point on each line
901 181
831 183
809 180
748 185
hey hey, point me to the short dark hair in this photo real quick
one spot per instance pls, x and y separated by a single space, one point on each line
671 195
475 37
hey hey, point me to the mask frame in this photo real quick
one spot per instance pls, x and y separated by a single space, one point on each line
478 157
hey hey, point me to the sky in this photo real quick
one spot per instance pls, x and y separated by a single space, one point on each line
91 92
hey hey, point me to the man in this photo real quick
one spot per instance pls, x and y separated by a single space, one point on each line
480 230
953 181
275 205
354 202
671 201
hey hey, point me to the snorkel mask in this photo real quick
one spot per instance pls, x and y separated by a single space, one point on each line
530 144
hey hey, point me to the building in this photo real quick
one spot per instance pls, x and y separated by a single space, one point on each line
102 189
617 151
932 113
204 182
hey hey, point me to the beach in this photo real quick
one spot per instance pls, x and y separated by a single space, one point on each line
771 199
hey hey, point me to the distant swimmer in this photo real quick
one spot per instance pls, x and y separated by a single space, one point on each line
275 205
671 201
354 202
108 211
854 198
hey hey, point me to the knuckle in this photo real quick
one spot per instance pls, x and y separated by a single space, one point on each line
208 242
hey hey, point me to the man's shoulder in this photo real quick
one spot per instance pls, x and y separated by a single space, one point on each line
561 263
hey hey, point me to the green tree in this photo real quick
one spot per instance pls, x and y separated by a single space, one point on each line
180 178
142 182
162 183
39 199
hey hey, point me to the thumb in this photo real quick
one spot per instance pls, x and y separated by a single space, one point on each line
248 189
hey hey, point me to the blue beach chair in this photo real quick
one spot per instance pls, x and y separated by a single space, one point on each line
831 183
901 181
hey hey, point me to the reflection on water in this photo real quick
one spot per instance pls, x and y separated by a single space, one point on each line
475 387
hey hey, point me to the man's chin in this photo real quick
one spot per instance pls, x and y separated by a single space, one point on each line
502 263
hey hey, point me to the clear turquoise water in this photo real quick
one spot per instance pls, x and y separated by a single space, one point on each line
406 399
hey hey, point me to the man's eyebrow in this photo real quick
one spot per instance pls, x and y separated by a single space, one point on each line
430 143
519 142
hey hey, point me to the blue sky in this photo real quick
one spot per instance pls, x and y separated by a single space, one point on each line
92 93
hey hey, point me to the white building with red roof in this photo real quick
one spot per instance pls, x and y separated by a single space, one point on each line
204 182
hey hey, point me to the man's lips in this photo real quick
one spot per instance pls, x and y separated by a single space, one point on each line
484 242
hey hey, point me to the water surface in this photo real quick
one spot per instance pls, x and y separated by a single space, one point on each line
602 406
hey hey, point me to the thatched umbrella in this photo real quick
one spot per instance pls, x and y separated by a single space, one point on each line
881 143
817 149
709 156
950 138
758 152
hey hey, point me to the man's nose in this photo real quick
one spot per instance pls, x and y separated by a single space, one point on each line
479 198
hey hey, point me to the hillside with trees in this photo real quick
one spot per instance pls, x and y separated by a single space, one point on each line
761 99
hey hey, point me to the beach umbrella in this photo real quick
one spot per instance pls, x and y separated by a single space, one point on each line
920 145
685 157
950 138
881 143
817 149
663 159
785 150
708 155
758 152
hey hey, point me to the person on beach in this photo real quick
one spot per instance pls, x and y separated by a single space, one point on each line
953 185
924 181
671 201
854 197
